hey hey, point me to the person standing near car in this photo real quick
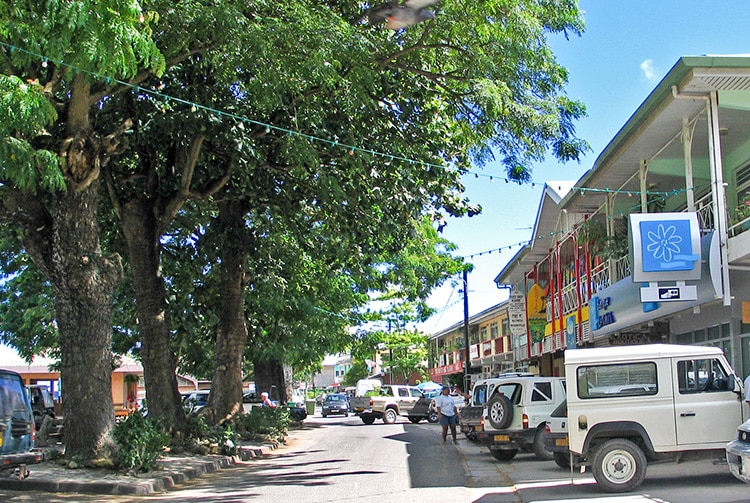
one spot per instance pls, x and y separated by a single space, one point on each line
446 409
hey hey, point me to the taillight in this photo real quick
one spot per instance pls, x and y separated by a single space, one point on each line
370 402
525 421
546 428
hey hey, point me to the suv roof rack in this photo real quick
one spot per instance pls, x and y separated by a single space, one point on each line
515 374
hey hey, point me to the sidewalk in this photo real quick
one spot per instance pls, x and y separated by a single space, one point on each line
50 476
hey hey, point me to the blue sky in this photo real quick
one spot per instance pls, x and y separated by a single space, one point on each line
627 47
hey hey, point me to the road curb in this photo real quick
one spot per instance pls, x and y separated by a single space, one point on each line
176 471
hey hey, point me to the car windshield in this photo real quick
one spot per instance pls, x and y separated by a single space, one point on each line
335 398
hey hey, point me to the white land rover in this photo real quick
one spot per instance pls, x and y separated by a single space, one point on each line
515 410
629 405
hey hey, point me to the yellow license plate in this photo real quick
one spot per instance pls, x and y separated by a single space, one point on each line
562 442
501 438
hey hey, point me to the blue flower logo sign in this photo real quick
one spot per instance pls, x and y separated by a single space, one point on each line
666 245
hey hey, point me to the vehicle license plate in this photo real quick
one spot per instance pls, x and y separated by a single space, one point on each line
563 442
501 438
335 410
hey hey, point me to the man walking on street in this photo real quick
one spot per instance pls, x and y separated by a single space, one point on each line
446 409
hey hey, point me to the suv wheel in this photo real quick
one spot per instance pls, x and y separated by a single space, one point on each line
562 459
540 451
502 455
619 465
500 412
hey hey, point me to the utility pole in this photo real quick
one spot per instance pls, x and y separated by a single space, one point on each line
467 358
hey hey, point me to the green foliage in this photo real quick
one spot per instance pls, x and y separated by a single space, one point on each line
141 442
358 370
24 114
741 211
264 424
201 438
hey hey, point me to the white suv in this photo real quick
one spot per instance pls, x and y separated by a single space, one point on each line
516 408
631 405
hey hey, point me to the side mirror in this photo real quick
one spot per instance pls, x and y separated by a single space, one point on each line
731 382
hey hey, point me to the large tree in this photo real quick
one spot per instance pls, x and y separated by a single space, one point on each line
358 132
55 56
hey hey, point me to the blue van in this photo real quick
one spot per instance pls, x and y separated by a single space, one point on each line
17 429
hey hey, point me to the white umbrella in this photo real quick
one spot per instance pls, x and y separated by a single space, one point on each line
429 386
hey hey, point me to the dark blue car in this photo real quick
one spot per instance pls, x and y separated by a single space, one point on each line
16 424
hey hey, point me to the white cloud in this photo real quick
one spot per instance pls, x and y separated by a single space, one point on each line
647 67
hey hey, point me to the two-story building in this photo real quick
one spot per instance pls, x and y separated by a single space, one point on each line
649 245
490 350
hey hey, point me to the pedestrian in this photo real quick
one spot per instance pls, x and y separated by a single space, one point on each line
446 409
747 389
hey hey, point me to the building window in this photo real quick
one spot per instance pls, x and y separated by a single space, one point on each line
493 330
686 338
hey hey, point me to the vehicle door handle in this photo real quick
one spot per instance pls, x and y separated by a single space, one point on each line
687 414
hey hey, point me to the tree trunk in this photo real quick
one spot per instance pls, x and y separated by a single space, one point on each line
275 378
231 335
154 322
84 282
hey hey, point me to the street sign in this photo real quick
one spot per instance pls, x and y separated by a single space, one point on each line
675 293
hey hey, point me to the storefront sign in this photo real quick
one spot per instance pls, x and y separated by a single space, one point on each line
474 351
601 315
571 332
666 246
517 312
619 306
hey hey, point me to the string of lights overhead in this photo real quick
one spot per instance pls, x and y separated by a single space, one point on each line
349 149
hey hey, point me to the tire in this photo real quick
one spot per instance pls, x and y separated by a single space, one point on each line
541 453
367 418
619 465
562 459
390 416
501 455
432 417
415 419
500 412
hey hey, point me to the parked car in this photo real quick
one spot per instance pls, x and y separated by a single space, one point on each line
515 413
556 435
738 453
336 403
631 405
42 404
17 428
194 401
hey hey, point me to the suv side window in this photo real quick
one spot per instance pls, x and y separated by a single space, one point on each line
403 392
415 393
542 392
622 379
698 376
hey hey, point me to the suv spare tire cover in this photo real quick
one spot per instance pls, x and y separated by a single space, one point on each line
500 412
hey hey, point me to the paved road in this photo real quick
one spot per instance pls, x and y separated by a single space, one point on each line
340 459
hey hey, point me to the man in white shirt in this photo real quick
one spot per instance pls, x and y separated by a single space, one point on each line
446 409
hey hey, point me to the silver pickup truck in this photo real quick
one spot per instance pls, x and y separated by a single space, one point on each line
390 401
